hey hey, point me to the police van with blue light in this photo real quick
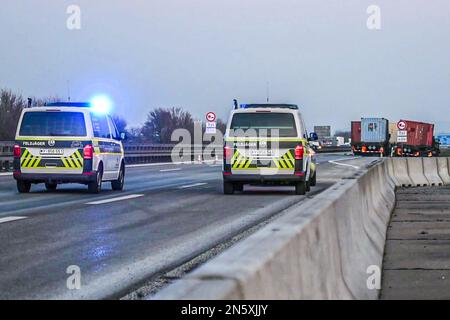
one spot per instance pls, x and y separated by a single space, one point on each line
268 144
68 142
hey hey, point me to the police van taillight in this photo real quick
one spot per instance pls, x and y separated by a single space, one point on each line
88 152
227 152
298 152
17 151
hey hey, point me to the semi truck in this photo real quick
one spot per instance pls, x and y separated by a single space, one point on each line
355 135
375 137
416 139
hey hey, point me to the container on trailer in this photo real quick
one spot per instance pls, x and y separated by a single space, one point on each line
416 133
356 132
374 130
393 132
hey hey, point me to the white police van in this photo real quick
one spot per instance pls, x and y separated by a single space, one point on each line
68 142
268 144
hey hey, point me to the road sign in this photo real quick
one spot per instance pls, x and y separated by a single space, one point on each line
210 127
402 139
401 125
402 133
211 116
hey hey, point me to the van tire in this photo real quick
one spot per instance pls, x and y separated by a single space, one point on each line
239 187
228 188
96 186
300 188
117 185
51 186
23 186
308 186
313 179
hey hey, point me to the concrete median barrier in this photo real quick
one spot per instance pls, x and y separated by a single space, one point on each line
400 171
415 171
443 170
327 248
431 171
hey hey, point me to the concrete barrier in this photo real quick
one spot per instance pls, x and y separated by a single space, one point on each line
415 171
325 248
431 171
400 171
443 169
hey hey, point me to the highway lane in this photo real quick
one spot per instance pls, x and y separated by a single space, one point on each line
168 214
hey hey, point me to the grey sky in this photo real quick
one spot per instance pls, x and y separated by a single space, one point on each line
200 54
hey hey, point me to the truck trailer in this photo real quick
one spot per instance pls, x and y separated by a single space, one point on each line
416 139
356 137
375 137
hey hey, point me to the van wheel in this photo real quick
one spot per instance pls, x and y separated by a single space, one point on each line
117 185
228 188
300 188
313 179
96 186
51 186
23 186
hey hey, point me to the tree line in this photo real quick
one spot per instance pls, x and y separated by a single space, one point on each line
158 127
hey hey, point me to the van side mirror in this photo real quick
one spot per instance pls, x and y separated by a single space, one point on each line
313 136
123 136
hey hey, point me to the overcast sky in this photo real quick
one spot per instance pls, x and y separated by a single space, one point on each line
200 54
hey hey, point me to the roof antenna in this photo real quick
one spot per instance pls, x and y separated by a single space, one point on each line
68 90
267 91
235 103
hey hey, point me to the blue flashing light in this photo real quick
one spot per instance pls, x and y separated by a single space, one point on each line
101 104
68 104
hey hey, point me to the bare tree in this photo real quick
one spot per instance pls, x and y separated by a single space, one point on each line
162 122
121 123
11 106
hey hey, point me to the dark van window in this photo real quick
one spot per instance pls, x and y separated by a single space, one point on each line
100 126
112 125
53 123
284 122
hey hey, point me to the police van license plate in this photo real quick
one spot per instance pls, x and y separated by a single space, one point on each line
52 152
261 152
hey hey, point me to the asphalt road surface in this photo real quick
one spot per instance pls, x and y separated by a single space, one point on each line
167 215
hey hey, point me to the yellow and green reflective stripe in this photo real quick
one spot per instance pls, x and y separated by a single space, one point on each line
69 161
24 156
75 161
276 163
249 162
37 162
237 161
66 165
288 161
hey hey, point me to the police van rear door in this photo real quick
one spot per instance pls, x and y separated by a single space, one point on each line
263 142
52 141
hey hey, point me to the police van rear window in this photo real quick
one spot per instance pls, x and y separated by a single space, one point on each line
54 124
269 124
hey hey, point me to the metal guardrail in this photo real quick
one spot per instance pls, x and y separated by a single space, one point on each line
6 155
147 153
134 153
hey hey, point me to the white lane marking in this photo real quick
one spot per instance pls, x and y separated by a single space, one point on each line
344 164
167 163
168 170
6 174
131 196
193 185
12 218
